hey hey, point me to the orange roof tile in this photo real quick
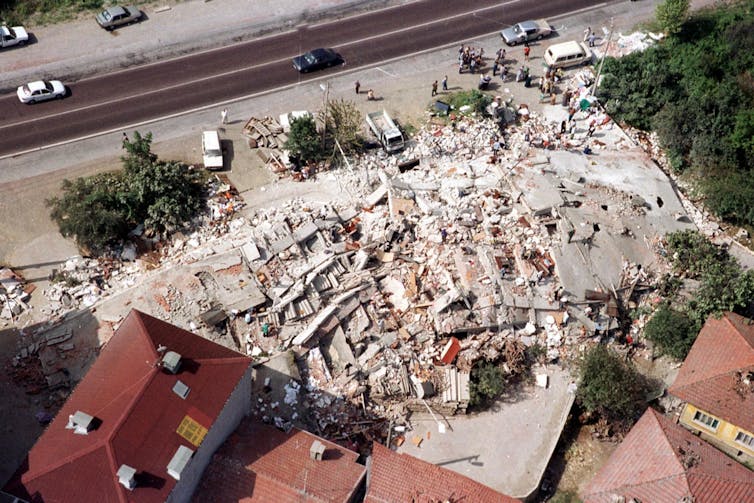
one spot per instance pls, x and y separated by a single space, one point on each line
710 376
397 477
131 396
660 461
260 463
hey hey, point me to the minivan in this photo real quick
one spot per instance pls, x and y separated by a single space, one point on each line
567 54
212 154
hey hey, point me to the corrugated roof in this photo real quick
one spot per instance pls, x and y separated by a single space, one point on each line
660 461
710 377
131 397
400 477
260 463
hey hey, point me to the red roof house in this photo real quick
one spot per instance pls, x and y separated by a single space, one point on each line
714 375
260 463
144 421
662 462
397 477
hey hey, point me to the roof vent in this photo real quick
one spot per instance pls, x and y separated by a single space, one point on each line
80 422
180 459
181 389
127 477
171 361
317 450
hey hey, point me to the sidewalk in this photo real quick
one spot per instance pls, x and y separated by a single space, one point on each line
79 49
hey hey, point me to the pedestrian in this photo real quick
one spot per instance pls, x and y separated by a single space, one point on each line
434 88
571 113
587 32
125 140
370 95
472 65
445 83
566 98
504 74
592 38
224 116
520 74
527 50
460 67
563 127
495 66
357 86
527 81
541 84
590 131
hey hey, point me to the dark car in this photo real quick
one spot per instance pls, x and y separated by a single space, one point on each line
316 60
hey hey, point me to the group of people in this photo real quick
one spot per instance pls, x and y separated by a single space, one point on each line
370 92
470 57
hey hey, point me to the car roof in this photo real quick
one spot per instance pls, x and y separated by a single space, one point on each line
322 51
115 11
36 85
528 24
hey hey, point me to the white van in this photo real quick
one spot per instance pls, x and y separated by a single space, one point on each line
567 54
211 151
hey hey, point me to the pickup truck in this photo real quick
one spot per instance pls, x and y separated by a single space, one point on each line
13 36
386 131
526 31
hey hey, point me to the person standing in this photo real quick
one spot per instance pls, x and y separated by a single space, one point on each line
504 74
224 116
587 32
592 37
434 88
527 50
357 86
445 83
495 66
472 65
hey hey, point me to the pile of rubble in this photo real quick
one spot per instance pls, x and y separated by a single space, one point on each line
14 295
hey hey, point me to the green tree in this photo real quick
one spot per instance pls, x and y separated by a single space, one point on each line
487 383
610 387
672 331
671 14
100 210
304 142
344 122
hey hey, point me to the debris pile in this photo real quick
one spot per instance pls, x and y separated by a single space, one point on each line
14 295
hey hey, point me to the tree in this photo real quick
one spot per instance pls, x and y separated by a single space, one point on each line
344 124
100 210
672 331
304 142
671 15
610 387
487 383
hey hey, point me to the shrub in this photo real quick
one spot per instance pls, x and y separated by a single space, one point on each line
475 99
487 383
672 331
304 142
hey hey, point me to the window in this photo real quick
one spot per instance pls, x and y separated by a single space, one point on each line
747 440
705 420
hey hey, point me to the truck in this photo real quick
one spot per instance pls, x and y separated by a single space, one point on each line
385 130
526 31
13 36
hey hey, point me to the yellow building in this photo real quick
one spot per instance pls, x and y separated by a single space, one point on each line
717 383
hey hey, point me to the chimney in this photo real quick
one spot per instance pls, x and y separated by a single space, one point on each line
317 450
180 459
172 362
80 422
127 477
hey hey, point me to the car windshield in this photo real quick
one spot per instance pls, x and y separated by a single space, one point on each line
12 32
213 152
106 14
517 29
309 57
48 86
25 88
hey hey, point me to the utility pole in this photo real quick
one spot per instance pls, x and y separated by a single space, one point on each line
326 98
602 61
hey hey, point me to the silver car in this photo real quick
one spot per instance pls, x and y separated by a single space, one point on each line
118 16
41 90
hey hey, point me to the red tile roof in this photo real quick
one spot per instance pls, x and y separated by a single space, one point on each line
132 397
397 477
260 463
710 377
660 461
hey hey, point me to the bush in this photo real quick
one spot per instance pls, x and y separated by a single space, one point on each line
344 122
671 14
672 331
477 100
487 383
610 387
304 142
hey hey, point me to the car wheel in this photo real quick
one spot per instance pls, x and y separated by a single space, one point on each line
512 43
22 43
110 28
539 37
31 102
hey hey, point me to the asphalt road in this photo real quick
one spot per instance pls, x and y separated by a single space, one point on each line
131 96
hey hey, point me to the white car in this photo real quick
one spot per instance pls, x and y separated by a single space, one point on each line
13 36
41 90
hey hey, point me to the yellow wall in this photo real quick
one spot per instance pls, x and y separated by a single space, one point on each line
725 432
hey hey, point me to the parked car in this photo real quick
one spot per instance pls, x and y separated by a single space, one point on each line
212 152
41 90
117 16
316 60
526 31
13 36
567 54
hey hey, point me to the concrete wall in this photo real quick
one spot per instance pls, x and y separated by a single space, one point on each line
236 408
723 437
